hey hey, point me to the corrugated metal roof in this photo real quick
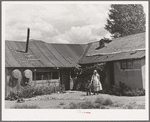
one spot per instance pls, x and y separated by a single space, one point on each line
109 53
41 54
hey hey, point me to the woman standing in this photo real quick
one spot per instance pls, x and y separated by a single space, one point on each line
95 80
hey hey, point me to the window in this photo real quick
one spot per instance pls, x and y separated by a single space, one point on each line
45 75
127 64
55 75
41 76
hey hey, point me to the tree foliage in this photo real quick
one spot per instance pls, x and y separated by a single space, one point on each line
125 19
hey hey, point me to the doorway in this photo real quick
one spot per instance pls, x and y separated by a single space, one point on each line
111 72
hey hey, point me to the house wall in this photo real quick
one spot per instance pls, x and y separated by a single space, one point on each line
143 71
131 77
63 78
107 79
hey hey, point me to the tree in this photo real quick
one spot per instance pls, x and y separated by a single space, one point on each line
125 19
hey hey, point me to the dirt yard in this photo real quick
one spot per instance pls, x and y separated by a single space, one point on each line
61 100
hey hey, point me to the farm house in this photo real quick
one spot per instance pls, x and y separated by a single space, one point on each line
35 62
124 57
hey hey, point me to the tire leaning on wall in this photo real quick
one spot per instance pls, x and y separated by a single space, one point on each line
27 78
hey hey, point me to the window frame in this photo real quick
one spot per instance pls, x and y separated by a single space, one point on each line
125 65
52 75
47 74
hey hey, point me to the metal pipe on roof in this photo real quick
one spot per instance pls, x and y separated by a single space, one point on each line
28 36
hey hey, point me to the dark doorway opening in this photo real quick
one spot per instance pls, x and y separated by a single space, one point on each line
111 71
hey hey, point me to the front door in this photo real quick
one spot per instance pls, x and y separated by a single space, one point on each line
65 78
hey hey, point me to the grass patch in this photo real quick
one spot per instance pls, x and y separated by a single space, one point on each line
99 103
62 103
107 102
24 106
117 105
133 106
103 101
82 105
99 100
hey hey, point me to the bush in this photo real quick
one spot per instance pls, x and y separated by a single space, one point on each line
102 101
107 102
99 100
82 105
29 92
133 106
86 105
85 73
123 90
24 106
12 96
72 106
62 103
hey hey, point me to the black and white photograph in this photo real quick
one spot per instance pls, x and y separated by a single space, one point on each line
75 60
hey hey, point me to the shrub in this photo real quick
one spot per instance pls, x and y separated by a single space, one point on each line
12 96
134 106
98 104
72 106
102 107
81 105
99 100
102 101
29 92
24 106
123 90
62 103
86 105
107 102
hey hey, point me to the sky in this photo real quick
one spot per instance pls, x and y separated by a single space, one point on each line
56 22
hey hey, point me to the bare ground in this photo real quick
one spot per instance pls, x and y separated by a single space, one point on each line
61 100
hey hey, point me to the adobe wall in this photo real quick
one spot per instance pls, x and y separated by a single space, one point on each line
131 77
64 78
143 71
107 79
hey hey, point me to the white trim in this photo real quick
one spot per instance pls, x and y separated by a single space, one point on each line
129 51
130 69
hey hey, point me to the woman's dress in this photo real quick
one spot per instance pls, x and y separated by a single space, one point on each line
97 86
